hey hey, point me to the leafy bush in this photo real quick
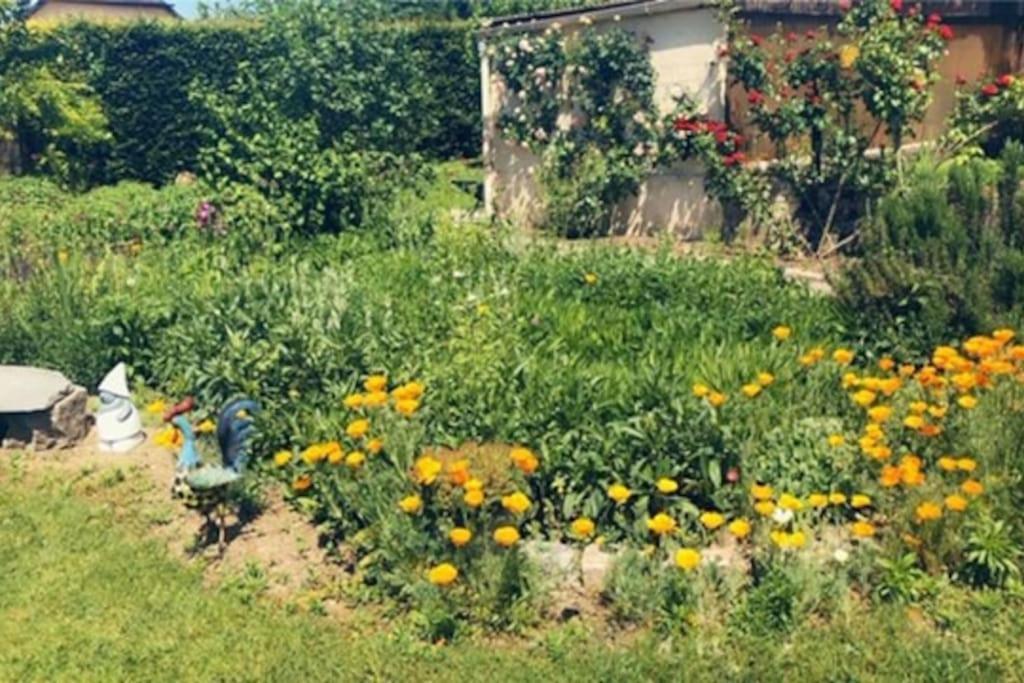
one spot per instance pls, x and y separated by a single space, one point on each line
940 258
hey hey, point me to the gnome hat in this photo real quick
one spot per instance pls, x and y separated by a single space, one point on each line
116 382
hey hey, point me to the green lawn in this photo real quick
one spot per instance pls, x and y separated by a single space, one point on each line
82 600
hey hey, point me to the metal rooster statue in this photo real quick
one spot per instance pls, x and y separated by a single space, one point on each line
206 486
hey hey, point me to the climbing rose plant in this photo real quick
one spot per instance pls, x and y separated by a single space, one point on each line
824 97
584 103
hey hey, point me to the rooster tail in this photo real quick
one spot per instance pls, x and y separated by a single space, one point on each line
234 427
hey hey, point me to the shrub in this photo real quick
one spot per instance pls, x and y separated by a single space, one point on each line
939 259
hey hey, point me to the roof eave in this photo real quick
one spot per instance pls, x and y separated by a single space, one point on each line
541 21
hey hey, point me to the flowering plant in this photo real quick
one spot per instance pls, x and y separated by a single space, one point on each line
824 98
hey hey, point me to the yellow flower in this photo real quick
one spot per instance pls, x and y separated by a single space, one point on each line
375 446
862 529
334 454
458 472
817 500
787 541
843 356
411 504
907 370
918 407
410 391
947 464
407 406
353 401
859 500
927 512
879 414
667 486
967 402
712 520
966 465
688 559
850 380
375 399
473 484
524 459
836 498
765 378
376 383
168 437
443 575
590 279
426 469
956 503
582 527
740 528
764 507
206 427
661 524
1003 335
761 492
751 390
972 487
282 458
788 501
836 440
302 483
717 399
460 536
886 364
474 498
506 536
158 407
314 453
864 398
701 390
848 55
913 422
891 476
517 503
357 429
355 459
782 332
619 493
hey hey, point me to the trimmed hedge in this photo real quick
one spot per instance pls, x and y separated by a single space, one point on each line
146 75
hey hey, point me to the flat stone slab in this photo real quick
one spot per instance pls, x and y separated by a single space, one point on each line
31 390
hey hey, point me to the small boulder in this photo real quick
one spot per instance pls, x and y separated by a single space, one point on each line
41 409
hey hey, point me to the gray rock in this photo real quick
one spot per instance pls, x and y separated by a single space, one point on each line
594 567
556 560
41 409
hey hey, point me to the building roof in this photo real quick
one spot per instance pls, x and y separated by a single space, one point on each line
120 3
623 8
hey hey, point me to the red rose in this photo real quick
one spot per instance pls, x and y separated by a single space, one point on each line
790 55
732 475
738 140
990 90
755 98
723 52
810 35
897 5
721 136
844 5
791 37
734 159
960 80
756 40
946 32
934 19
1004 81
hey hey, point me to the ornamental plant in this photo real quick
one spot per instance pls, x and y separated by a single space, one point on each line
823 98
987 114
584 103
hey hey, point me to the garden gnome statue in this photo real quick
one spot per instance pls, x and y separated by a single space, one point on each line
118 422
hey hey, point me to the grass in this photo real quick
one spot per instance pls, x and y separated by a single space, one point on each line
84 600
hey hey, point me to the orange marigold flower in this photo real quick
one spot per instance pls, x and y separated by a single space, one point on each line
927 512
843 356
506 536
583 527
460 536
661 524
972 487
862 529
956 503
688 559
443 575
524 459
302 483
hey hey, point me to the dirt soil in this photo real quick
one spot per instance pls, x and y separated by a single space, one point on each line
136 487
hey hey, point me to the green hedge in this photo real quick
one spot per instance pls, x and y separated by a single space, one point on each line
147 75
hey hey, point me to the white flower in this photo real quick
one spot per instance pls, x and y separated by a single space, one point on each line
556 26
782 516
841 556
617 17
639 150
525 45
586 20
640 118
540 134
564 121
675 92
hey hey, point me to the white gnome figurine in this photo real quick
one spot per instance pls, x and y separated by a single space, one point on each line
118 423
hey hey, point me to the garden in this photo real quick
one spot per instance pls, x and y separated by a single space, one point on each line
529 453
